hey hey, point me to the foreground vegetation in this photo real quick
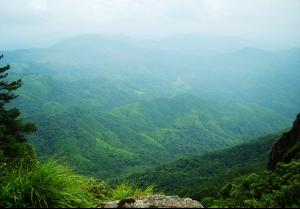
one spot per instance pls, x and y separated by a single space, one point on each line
43 185
52 185
268 189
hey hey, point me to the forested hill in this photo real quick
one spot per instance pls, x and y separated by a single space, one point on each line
146 133
99 100
203 176
238 176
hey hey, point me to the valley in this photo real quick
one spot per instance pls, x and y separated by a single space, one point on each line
149 104
110 118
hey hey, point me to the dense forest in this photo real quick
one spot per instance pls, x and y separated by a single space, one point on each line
261 173
205 175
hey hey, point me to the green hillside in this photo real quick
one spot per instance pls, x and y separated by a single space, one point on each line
133 136
236 177
150 113
140 134
204 176
111 107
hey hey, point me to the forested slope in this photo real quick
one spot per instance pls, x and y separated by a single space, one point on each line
98 100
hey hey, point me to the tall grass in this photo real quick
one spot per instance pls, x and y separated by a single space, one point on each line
46 185
125 190
53 185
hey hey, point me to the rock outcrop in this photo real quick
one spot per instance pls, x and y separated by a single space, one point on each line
287 147
154 201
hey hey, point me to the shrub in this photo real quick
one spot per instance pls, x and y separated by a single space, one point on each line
279 188
99 190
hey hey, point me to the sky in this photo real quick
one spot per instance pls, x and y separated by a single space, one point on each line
36 23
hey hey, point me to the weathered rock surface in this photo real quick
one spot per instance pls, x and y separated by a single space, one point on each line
287 147
154 201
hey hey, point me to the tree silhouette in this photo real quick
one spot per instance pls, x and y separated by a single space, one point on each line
12 129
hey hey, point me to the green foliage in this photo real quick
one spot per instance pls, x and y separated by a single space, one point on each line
99 190
54 185
44 185
233 177
278 189
12 129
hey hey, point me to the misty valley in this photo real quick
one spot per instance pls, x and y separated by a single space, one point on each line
190 115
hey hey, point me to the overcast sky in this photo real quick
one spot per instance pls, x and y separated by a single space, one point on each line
25 23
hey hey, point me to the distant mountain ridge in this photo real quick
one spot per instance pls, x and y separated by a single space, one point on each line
208 44
247 73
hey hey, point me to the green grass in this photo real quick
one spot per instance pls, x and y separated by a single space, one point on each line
125 190
44 185
52 185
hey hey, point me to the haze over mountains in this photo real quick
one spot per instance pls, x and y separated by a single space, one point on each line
180 70
131 101
113 105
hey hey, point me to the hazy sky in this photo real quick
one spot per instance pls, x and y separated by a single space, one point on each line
33 22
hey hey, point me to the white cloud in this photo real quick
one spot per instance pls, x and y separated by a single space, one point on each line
38 5
274 20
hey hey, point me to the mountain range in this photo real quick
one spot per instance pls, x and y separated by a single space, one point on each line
114 106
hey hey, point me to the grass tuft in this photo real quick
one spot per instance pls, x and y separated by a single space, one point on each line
125 190
44 185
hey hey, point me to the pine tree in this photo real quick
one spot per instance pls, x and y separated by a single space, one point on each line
12 129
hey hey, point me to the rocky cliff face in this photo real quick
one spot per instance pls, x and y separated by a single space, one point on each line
287 147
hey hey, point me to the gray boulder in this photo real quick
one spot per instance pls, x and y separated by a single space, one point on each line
154 201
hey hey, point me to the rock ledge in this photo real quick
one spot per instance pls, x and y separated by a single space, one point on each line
154 201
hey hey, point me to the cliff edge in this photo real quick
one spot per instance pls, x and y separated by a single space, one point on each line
287 147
